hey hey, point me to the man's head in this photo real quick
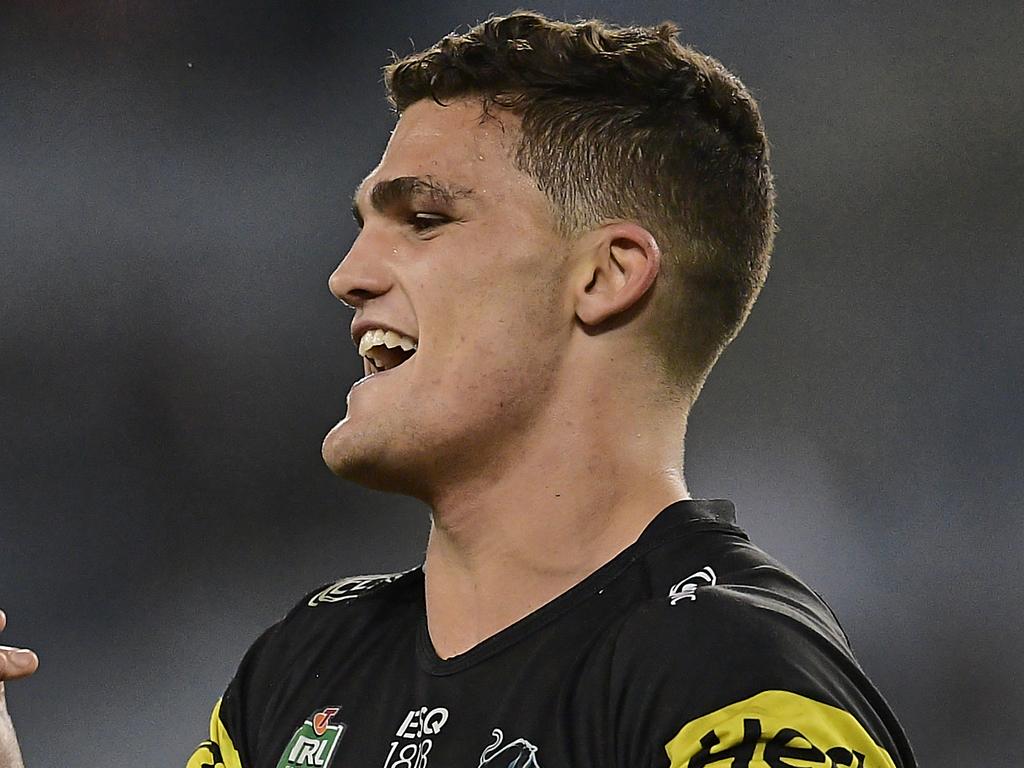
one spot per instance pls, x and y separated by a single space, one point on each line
626 123
549 184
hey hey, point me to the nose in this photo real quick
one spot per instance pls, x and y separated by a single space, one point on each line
359 277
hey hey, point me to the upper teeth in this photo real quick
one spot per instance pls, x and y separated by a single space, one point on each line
377 336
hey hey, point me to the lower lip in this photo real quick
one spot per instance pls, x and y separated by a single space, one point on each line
371 376
378 375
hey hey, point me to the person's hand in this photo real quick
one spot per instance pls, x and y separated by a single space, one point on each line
14 663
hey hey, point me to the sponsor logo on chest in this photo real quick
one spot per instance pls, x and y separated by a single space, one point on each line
416 738
314 743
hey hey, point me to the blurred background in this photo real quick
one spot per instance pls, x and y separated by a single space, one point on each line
174 187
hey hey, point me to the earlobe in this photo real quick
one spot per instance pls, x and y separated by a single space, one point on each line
622 262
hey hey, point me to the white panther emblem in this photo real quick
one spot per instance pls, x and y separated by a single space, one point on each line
516 754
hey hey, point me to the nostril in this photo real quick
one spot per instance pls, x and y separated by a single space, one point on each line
356 297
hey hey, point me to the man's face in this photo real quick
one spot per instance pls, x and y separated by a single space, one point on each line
458 250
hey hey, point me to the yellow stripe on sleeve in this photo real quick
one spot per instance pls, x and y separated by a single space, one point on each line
219 751
776 728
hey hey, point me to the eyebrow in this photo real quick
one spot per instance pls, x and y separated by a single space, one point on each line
404 189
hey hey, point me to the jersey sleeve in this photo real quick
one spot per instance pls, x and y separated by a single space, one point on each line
732 679
234 722
219 750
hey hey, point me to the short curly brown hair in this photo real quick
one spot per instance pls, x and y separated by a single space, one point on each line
626 122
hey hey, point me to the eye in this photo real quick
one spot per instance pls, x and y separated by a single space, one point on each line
422 221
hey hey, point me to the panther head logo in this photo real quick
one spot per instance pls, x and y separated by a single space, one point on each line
516 754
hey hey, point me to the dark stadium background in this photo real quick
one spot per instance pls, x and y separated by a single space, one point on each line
174 188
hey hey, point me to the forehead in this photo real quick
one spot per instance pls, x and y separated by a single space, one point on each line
456 146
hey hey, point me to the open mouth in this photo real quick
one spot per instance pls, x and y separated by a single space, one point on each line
384 351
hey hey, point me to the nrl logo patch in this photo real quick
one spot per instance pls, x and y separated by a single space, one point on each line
314 742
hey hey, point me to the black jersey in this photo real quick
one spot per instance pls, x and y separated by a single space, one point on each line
691 648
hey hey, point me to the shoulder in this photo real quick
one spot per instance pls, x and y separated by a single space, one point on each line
349 604
328 616
708 628
727 669
368 587
716 576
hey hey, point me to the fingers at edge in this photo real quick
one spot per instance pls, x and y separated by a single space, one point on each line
16 663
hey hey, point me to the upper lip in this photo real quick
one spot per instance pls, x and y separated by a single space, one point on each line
359 327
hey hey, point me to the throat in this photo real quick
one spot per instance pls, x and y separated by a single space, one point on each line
495 563
470 599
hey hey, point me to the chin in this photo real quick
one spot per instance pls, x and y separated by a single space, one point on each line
346 455
367 463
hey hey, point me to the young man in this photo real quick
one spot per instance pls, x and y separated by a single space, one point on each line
569 224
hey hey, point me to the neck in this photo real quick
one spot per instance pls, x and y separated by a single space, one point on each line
548 516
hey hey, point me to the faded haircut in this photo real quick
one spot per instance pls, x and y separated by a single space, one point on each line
627 123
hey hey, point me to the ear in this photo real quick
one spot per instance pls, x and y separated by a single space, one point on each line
618 265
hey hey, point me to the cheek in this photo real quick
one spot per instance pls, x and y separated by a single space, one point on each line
499 326
507 360
501 390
